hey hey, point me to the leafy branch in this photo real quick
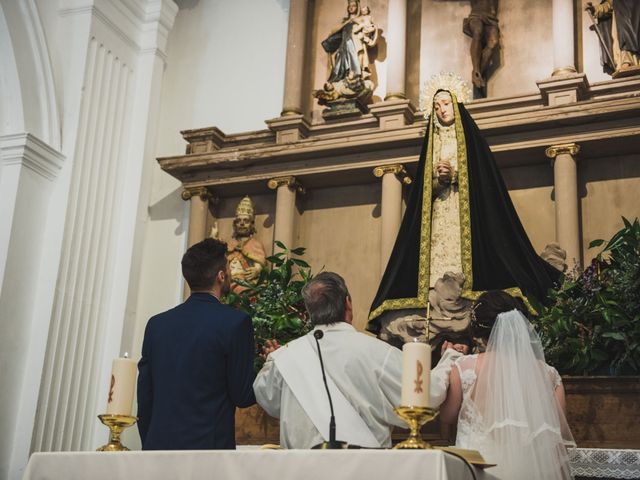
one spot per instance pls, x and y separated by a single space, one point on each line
275 302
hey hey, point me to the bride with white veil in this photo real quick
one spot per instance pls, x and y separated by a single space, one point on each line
509 404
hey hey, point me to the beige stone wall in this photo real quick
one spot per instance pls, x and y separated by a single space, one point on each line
340 227
609 190
526 42
531 191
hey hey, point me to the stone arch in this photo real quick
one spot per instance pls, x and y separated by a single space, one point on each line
28 100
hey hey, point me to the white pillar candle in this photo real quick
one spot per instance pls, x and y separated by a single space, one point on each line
121 387
416 374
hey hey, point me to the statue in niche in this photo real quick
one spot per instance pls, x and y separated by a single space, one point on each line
482 26
460 234
349 85
617 24
245 254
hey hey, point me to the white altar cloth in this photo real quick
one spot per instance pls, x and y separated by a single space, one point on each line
251 465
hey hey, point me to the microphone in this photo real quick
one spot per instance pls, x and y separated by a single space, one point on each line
332 444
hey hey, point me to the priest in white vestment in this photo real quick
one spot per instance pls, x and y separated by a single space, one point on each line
363 375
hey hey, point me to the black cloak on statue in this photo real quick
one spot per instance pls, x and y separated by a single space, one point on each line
495 250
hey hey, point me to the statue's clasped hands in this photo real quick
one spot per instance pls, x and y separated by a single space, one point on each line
445 172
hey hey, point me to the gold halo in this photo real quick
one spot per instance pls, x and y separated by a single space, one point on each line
443 81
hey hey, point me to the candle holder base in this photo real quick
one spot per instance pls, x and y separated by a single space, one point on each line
415 417
116 424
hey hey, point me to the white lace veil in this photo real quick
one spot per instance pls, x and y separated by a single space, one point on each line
523 424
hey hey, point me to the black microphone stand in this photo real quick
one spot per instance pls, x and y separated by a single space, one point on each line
332 444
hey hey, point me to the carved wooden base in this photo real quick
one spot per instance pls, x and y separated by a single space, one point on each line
352 107
626 72
602 412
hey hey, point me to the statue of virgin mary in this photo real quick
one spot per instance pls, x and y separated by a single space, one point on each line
460 232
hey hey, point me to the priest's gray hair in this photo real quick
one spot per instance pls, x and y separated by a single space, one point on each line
325 296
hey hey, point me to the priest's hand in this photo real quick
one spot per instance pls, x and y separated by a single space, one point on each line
444 171
269 346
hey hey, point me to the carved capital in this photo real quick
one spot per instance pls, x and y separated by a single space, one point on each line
288 181
396 169
202 192
566 148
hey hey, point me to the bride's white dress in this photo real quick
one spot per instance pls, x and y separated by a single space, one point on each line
511 415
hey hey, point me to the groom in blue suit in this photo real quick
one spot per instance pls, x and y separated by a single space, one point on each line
197 362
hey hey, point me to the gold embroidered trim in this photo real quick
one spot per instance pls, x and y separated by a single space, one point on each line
421 300
463 204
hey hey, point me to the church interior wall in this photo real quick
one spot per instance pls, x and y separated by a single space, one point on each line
17 306
225 68
216 74
608 188
30 161
526 44
436 42
340 228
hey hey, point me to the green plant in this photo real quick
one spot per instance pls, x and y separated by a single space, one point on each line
275 302
593 325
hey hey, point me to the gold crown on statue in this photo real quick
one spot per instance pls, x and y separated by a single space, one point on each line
245 207
443 81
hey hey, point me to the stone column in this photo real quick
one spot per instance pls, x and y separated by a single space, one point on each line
396 50
286 189
563 45
393 176
198 215
292 102
565 179
197 220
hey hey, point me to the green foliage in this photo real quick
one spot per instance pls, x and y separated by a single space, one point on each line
593 326
275 302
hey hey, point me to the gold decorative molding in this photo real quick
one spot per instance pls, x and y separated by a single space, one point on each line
289 181
397 169
565 148
202 192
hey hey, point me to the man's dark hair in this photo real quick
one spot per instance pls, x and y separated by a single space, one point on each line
202 262
487 308
325 296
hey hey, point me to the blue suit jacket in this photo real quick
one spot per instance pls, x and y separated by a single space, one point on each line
196 367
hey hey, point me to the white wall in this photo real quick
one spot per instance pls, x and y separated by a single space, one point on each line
79 81
225 68
30 163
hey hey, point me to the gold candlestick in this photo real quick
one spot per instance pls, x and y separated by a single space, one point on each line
116 424
415 417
